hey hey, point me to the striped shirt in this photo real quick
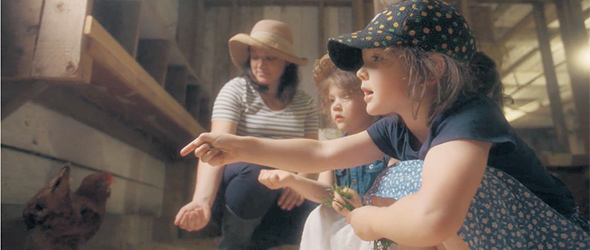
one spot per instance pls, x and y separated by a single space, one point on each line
239 102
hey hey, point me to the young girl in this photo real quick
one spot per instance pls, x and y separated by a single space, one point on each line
477 178
342 99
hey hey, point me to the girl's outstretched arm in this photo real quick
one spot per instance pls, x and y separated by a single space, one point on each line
451 175
310 189
299 155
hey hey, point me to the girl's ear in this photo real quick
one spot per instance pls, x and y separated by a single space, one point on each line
440 66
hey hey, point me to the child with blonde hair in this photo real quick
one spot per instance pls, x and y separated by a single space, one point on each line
341 99
467 171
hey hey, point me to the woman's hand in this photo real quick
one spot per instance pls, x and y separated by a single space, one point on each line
359 220
275 179
193 216
353 198
212 148
290 199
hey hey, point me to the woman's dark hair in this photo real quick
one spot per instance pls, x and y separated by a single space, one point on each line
287 83
486 78
478 76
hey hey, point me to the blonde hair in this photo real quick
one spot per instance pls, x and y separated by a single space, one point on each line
325 74
479 76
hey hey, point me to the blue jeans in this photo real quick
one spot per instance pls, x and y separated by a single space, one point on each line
251 218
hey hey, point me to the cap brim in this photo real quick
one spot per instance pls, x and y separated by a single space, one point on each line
344 56
238 51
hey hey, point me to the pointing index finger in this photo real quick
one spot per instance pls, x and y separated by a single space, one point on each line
192 146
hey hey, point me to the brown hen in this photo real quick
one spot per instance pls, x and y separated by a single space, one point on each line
56 218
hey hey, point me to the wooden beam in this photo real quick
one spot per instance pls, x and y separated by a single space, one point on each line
121 20
466 12
20 30
509 1
151 27
59 45
176 83
379 5
483 30
529 82
499 11
551 159
134 94
221 56
252 3
192 100
551 84
186 30
70 101
321 27
358 19
575 40
586 15
199 24
153 56
524 24
17 93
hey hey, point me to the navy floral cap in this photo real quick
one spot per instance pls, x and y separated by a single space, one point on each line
431 25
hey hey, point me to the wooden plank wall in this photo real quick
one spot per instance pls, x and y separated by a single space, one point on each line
36 142
216 67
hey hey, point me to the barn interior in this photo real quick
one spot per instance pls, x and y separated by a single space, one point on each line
122 85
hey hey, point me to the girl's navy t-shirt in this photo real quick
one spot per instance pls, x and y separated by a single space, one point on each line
479 118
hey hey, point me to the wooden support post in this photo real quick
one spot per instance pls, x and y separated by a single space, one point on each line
465 11
575 40
483 30
153 55
121 20
199 26
59 52
186 30
321 26
204 111
20 30
358 19
192 100
379 5
197 104
176 83
551 78
221 60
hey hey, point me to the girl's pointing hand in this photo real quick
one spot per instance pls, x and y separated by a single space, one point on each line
212 148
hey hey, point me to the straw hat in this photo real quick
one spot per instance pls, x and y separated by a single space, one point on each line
272 35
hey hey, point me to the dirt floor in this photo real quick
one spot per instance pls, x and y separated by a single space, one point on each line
192 244
196 244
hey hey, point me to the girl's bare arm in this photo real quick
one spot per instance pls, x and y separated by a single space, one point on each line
310 189
451 175
298 155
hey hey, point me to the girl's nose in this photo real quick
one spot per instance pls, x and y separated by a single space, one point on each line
336 105
362 74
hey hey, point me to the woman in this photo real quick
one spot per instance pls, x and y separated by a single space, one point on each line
264 102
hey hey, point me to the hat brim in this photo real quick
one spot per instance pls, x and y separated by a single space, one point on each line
345 57
238 51
346 50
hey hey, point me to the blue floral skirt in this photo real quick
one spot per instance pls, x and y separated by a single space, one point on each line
504 214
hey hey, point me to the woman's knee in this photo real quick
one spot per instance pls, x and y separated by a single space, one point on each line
244 194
